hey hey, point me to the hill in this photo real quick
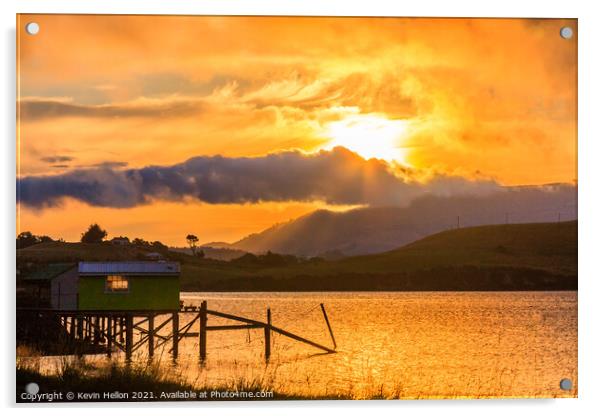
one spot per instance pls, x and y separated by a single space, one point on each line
56 251
211 252
377 229
545 246
34 257
539 256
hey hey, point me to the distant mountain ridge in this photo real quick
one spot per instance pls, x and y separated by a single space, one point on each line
377 229
528 256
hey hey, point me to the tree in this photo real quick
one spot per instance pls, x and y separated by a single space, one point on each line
139 242
26 239
159 246
192 240
95 234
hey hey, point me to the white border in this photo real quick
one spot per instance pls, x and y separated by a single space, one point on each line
590 202
458 8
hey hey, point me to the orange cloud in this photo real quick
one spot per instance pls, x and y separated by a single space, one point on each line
492 98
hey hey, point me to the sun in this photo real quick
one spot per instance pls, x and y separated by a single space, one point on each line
370 136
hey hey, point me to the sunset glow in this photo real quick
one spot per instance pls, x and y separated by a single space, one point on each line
370 136
180 100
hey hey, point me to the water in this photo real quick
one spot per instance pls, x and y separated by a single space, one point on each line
392 344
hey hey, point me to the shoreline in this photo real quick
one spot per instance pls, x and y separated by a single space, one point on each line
135 384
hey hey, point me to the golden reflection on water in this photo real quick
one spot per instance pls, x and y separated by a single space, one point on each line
393 345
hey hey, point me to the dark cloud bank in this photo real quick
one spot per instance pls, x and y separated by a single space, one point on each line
56 159
336 177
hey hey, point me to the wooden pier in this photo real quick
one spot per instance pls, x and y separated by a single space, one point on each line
129 331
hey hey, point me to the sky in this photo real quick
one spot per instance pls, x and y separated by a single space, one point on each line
162 126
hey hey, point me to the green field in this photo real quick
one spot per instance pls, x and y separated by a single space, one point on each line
546 246
539 256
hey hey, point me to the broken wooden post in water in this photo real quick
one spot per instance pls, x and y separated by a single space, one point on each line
334 343
266 332
257 324
203 331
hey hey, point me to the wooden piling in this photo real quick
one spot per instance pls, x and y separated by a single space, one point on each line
129 335
267 334
203 331
109 335
80 327
101 328
117 328
79 323
96 329
71 328
328 325
151 335
121 327
175 334
91 321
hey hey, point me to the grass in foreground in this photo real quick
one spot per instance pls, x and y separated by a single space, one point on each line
81 377
166 384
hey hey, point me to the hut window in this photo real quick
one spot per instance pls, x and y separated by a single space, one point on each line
117 284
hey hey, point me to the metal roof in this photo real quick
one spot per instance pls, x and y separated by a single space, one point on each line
129 268
50 271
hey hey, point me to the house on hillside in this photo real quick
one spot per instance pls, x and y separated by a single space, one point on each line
118 285
153 256
120 241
